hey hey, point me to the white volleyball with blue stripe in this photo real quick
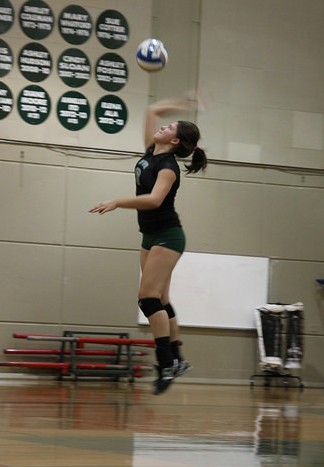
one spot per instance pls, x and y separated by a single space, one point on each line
152 55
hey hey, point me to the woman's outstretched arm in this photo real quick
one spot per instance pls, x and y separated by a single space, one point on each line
159 109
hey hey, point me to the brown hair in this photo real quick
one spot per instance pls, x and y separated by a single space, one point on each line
189 135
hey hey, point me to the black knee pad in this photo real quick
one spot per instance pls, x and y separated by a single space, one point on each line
170 310
150 305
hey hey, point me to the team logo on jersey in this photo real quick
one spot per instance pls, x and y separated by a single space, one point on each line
142 165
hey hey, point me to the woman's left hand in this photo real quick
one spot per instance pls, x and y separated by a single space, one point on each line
106 206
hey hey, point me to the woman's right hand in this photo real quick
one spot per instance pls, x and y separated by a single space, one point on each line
105 206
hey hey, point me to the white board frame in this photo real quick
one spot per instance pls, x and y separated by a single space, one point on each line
218 291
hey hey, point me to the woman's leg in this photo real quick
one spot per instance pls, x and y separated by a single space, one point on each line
173 322
181 366
165 299
157 265
159 325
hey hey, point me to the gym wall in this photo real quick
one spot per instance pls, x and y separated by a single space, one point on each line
259 68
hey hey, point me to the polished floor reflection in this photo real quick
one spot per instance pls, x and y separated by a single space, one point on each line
100 424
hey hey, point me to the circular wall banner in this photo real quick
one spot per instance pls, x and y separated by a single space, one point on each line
111 72
36 19
73 110
7 16
6 100
35 62
6 58
74 68
112 29
34 104
75 24
111 114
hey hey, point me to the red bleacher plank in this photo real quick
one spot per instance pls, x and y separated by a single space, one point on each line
88 340
32 351
116 341
18 335
88 352
65 366
102 366
37 364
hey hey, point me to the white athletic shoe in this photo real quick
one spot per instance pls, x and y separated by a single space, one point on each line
181 367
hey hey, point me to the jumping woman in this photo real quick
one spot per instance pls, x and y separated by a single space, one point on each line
157 176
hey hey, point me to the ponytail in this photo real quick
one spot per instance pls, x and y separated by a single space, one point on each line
189 135
198 161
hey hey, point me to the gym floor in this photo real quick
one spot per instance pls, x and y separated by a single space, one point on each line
101 424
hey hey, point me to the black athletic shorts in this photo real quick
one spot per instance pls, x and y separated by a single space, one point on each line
172 238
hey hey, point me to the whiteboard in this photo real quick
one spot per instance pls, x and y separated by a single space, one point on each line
218 291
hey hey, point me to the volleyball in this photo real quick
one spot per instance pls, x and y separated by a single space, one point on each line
152 55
